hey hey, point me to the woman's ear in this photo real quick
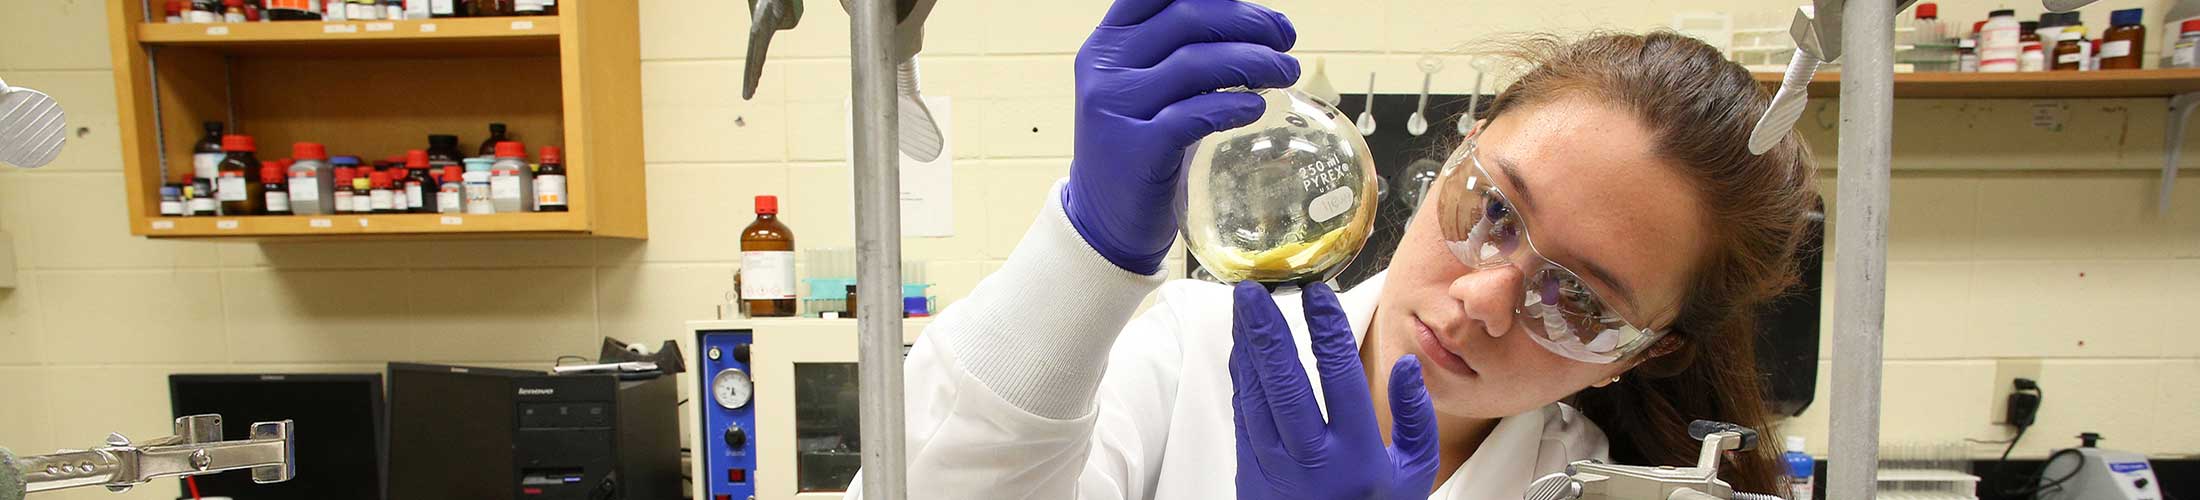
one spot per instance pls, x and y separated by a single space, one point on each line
1665 345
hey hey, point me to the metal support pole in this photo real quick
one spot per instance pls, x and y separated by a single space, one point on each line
1860 252
878 250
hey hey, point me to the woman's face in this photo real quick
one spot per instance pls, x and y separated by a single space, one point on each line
1595 197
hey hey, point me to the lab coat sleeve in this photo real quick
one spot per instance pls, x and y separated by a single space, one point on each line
1005 391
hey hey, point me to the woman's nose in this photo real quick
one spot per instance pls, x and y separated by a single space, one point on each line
1490 296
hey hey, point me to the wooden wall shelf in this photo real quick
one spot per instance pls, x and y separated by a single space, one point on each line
2036 85
378 88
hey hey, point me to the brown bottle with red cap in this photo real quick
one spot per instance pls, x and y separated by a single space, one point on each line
550 181
419 187
767 263
234 188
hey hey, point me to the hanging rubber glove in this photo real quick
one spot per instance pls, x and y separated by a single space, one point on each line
1284 448
1145 82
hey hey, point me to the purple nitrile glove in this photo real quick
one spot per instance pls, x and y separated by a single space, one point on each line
1284 448
1145 91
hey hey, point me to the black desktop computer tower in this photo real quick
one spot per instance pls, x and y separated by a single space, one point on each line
491 434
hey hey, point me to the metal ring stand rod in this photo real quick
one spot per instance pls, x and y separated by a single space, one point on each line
1860 251
878 249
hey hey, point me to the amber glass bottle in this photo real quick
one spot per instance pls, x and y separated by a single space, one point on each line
767 263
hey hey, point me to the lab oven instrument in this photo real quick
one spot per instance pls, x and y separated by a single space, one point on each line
775 409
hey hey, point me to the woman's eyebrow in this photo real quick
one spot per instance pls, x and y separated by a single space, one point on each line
1626 294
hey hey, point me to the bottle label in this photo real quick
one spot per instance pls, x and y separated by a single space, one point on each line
201 16
380 200
397 200
202 205
305 189
231 188
440 7
2069 59
206 165
233 17
171 207
2183 56
477 198
767 275
278 201
504 187
1801 489
2118 48
527 6
414 196
447 201
550 191
343 201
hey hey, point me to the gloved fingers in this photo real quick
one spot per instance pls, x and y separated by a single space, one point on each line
1413 434
1130 12
1337 361
1202 68
1191 119
1187 22
1248 407
1275 360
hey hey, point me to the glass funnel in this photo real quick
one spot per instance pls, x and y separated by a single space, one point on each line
1288 199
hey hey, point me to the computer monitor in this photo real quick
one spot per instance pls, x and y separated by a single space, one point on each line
339 423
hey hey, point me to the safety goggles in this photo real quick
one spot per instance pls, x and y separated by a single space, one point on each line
1484 230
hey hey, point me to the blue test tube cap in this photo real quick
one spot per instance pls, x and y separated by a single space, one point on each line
915 307
2127 17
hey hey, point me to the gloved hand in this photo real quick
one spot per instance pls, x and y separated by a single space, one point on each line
1143 94
1284 450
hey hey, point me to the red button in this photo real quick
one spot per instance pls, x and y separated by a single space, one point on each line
737 475
531 491
722 496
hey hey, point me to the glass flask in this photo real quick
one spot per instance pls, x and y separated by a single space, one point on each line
1288 199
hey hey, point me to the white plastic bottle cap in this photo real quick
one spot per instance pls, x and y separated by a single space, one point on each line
1795 443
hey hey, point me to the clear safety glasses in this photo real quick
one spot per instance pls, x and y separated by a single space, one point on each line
1482 228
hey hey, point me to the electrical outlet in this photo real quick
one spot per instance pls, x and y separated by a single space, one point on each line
2006 371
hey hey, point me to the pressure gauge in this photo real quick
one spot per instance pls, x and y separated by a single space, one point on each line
731 388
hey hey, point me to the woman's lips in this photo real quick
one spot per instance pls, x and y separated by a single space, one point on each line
1434 352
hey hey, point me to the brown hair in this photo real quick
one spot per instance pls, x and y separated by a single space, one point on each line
1701 109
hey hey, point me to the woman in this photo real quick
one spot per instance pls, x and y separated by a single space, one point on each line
1622 157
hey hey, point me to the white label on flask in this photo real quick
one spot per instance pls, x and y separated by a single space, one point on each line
278 201
550 191
2069 59
477 198
206 165
453 221
767 275
1330 204
217 30
2182 57
233 17
225 224
504 186
441 7
427 28
200 205
523 25
2117 48
527 5
171 207
414 197
305 190
200 16
373 27
321 223
343 201
448 201
163 225
1802 489
231 188
380 200
340 28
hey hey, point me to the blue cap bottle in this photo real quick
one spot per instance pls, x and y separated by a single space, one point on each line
2126 17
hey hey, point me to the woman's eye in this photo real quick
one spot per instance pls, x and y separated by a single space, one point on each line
1504 224
1576 297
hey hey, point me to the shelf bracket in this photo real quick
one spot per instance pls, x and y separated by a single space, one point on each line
2180 111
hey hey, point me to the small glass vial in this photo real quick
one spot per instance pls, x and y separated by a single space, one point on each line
1967 56
273 185
202 202
450 191
2068 55
362 193
2187 52
171 200
382 198
511 183
550 181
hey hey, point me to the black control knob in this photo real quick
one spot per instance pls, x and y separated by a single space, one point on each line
2141 483
735 437
741 353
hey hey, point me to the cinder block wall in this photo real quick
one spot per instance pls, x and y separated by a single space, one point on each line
2008 241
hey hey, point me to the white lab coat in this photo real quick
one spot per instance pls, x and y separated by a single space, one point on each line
1040 385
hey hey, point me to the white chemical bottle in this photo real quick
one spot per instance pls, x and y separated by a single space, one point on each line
476 187
312 184
450 192
512 183
1999 43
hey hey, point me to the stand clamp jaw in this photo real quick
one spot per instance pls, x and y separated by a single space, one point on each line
196 449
